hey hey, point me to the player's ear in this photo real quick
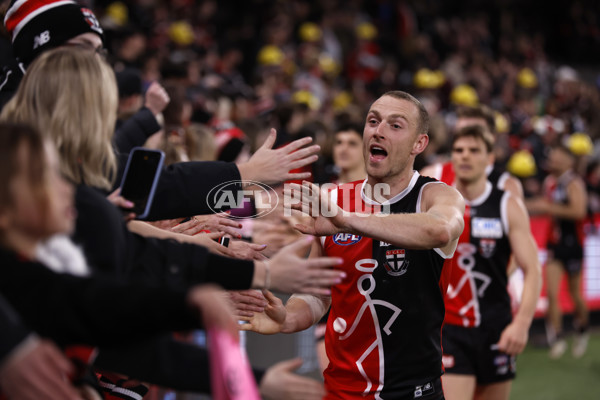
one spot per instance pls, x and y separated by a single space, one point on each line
421 143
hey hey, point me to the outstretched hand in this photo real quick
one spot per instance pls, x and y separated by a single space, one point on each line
327 218
214 307
245 250
291 272
268 322
271 166
247 302
215 223
220 223
37 372
156 98
281 383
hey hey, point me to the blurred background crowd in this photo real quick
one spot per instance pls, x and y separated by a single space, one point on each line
305 68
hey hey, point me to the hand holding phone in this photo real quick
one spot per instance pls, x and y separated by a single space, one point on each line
141 178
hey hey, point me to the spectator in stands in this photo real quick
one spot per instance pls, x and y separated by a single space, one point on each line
90 164
35 205
39 26
30 367
34 185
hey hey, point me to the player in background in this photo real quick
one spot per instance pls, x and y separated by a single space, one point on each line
480 336
483 116
566 202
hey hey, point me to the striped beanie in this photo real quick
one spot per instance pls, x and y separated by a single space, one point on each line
38 25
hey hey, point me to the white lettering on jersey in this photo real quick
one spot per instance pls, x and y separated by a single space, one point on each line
486 228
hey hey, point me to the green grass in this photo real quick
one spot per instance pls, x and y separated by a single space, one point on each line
540 378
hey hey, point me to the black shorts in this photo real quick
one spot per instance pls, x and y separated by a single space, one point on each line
471 351
571 257
429 389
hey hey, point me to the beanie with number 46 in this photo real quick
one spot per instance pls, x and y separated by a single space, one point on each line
38 25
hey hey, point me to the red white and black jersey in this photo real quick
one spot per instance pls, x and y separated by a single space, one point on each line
477 293
445 173
384 327
567 233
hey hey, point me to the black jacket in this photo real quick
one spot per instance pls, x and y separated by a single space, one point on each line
135 130
12 330
163 361
111 249
94 311
123 319
183 188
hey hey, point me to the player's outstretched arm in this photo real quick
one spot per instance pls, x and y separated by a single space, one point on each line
438 225
575 209
288 271
300 312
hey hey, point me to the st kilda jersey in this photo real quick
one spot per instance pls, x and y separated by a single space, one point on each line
383 331
477 292
445 173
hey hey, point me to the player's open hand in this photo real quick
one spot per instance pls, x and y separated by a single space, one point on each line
268 322
327 217
270 166
291 272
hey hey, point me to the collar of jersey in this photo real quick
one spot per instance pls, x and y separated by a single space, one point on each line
394 199
483 197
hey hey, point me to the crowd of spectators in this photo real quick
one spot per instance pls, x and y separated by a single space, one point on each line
306 67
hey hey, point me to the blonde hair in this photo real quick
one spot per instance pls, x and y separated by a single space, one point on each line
70 95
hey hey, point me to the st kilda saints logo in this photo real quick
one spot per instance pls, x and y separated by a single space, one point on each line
92 21
396 263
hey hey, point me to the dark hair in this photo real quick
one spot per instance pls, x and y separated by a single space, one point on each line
350 126
129 82
477 132
173 112
423 126
12 137
479 111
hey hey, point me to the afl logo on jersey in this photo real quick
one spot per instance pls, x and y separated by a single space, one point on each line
346 239
395 262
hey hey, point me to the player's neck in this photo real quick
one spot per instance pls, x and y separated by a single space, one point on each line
397 183
471 190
